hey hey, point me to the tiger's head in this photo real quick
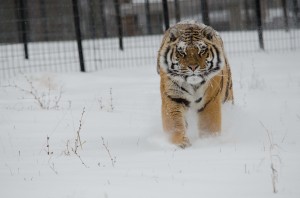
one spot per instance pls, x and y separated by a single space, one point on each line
192 53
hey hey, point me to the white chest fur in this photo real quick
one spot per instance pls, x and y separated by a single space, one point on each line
194 94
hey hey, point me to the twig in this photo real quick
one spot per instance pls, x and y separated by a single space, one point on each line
48 147
33 92
11 173
272 156
81 160
43 99
78 139
106 104
53 168
112 159
100 104
67 151
111 100
77 142
58 98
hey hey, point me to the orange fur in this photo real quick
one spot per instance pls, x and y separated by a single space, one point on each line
179 94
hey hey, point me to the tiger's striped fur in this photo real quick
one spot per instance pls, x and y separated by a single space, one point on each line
194 73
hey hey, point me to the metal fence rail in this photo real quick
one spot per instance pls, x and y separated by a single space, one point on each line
87 35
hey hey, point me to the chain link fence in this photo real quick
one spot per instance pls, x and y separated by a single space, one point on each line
89 35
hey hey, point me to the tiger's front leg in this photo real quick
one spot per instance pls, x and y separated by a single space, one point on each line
209 118
173 119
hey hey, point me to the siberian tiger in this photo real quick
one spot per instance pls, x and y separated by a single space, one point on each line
194 73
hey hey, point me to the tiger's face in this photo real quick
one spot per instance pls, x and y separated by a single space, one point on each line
194 58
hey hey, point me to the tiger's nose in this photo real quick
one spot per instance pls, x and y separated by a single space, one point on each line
193 67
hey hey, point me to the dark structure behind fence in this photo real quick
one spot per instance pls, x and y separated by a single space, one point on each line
81 35
166 14
259 24
78 34
23 20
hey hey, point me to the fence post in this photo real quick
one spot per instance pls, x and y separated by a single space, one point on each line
148 17
119 23
78 34
205 12
259 24
166 14
23 20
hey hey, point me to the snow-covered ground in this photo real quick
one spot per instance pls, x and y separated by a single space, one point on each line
99 135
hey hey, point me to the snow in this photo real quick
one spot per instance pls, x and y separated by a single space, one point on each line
124 150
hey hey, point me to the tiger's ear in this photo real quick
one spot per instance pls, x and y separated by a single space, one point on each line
173 34
209 32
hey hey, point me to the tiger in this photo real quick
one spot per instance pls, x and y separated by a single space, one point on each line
194 74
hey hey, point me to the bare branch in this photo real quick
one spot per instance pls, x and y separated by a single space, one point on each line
273 158
112 159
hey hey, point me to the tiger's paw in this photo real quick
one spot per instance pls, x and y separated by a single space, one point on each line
181 141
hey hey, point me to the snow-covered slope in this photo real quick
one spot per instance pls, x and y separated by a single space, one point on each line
122 151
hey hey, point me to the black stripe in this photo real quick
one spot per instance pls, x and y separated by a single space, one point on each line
214 97
227 91
166 54
214 69
218 56
198 100
229 84
172 66
201 109
222 81
213 56
204 106
196 87
211 65
217 68
183 89
180 101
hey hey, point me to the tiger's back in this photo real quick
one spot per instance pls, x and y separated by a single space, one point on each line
194 74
